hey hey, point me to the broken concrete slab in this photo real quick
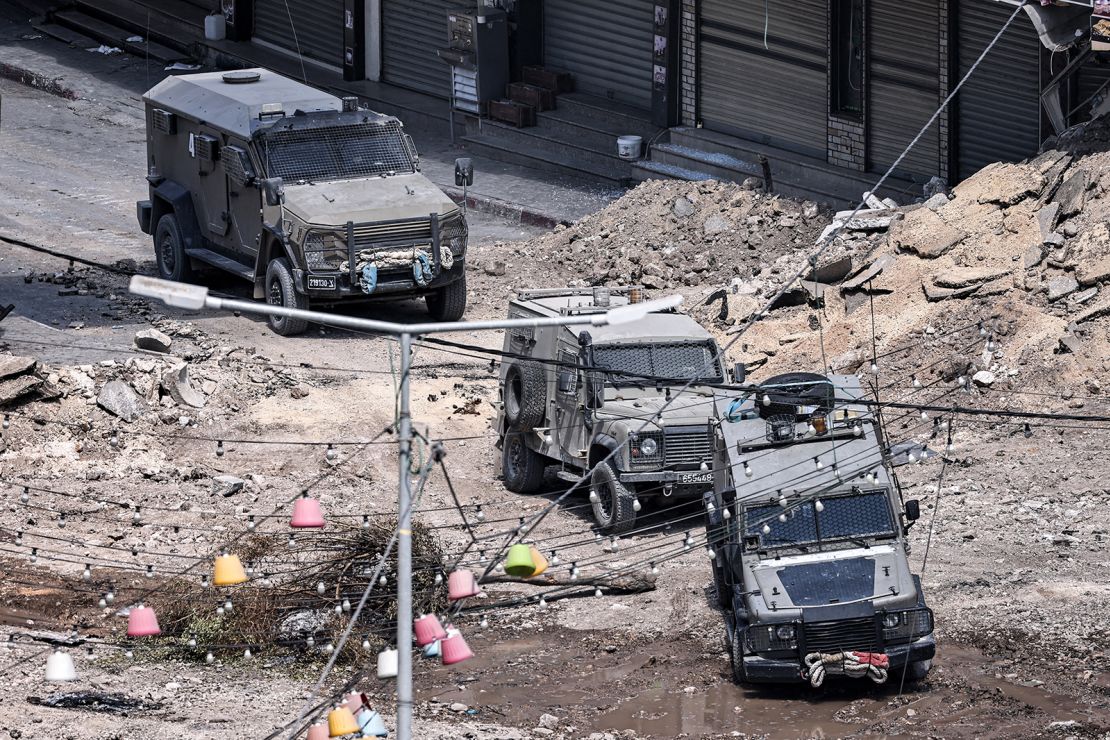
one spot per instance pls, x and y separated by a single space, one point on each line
1092 271
1084 295
12 365
153 340
1046 219
961 277
1102 308
1072 194
924 233
934 293
119 399
870 273
983 378
1003 183
831 272
227 485
996 287
937 201
1033 257
176 382
18 389
1061 286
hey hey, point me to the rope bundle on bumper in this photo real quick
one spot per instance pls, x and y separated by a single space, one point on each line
853 663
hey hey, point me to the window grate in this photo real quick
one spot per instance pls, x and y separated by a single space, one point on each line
337 152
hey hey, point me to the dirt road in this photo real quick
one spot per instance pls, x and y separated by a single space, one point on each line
1021 603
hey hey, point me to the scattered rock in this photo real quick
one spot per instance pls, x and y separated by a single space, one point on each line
17 389
1072 194
1033 257
176 383
983 378
458 707
1046 219
495 268
682 207
1090 272
962 277
118 399
227 485
934 293
937 201
550 721
298 391
716 224
1060 286
153 340
302 624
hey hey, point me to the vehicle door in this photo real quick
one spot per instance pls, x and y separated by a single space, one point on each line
244 203
570 422
210 197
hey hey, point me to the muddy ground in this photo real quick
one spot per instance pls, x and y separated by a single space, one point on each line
1016 566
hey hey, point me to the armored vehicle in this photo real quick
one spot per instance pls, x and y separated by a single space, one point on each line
310 198
808 528
603 401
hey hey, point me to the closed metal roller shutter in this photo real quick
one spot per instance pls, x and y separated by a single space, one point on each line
999 110
776 95
605 44
904 55
318 25
1091 78
412 31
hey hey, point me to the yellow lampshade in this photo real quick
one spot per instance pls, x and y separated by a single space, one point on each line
229 571
539 562
341 722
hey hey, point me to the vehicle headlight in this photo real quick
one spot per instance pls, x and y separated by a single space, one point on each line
649 446
785 632
903 626
891 620
324 251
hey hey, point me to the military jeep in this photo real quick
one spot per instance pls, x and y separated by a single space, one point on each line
571 401
305 195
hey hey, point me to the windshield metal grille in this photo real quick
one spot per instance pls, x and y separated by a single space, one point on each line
679 361
687 446
848 634
336 152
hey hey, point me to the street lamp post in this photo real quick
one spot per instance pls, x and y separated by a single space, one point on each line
195 297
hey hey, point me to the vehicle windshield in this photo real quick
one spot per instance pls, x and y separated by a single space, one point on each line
856 516
642 364
335 152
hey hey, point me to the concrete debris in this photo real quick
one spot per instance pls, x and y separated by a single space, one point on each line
936 202
962 277
683 208
176 383
153 340
983 378
715 224
925 234
1072 194
870 273
118 399
227 485
1005 184
13 365
18 389
934 293
1061 286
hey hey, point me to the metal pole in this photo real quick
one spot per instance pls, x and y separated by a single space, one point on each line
404 554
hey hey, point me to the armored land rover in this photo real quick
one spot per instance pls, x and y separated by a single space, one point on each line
308 197
569 400
811 560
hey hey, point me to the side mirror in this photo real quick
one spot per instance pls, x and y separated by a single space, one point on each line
739 372
464 171
274 191
913 510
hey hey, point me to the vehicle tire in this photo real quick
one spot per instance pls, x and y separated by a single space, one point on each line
736 656
449 302
613 508
169 251
282 291
525 395
918 670
790 390
521 466
720 583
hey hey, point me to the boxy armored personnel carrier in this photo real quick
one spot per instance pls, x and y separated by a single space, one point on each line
811 562
308 197
569 400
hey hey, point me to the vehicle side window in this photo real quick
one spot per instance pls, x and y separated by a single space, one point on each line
568 372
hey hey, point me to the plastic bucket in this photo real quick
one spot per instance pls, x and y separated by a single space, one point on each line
628 147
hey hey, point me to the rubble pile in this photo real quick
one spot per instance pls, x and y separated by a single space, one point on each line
667 235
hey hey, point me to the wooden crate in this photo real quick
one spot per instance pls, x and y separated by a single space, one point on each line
532 95
549 79
510 111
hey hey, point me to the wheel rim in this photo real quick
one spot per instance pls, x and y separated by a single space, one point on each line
276 297
516 456
166 252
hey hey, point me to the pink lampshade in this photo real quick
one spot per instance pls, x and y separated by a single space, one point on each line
142 622
455 650
307 514
318 731
461 585
428 630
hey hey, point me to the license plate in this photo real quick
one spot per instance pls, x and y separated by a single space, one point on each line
321 283
686 479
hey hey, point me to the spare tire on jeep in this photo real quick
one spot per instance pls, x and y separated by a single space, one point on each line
525 395
790 390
